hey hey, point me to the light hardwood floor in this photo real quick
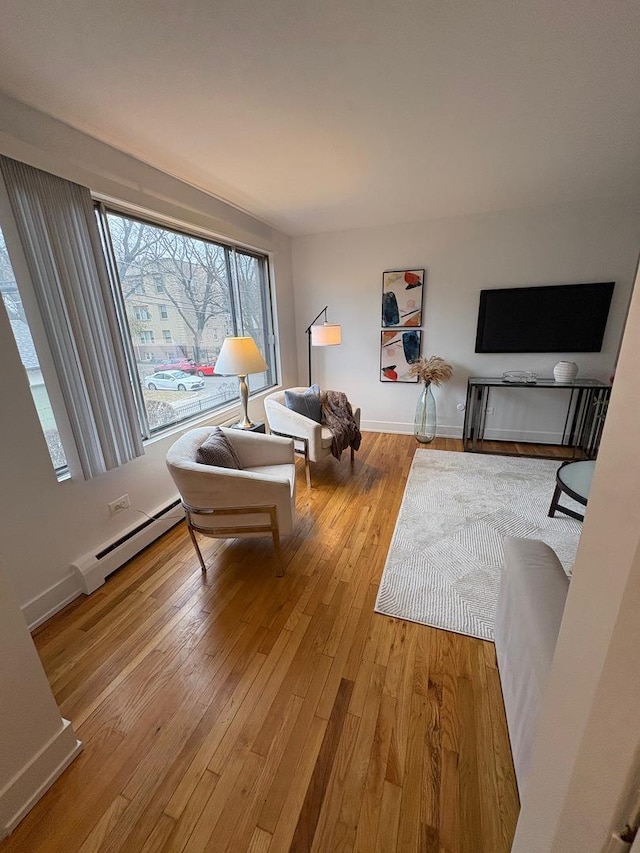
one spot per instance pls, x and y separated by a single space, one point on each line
239 712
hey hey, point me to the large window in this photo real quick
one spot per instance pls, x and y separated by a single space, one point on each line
29 357
212 289
114 299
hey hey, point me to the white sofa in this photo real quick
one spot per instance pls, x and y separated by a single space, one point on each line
533 590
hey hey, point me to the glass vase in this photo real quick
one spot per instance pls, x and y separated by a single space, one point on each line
424 426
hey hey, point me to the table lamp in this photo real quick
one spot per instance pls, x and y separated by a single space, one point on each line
239 357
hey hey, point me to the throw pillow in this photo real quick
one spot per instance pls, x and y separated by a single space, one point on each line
305 402
218 450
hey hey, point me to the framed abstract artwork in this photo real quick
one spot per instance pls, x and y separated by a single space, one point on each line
398 350
402 298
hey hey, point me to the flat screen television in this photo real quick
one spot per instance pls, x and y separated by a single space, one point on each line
551 318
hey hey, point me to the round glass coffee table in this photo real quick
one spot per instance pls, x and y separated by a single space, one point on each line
572 479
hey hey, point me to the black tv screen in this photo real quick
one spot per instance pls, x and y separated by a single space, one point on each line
553 318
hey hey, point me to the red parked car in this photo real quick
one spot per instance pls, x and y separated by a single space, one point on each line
186 364
205 369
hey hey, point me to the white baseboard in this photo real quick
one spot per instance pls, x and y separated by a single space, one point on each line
89 572
401 428
93 568
25 789
455 431
43 606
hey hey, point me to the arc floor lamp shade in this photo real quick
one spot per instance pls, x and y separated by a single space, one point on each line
326 335
322 335
240 357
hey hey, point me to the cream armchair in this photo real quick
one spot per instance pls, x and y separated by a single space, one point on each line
256 500
313 440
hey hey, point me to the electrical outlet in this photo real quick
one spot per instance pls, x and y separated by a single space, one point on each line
490 410
119 504
461 407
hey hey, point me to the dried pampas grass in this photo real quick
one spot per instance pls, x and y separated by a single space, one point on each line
433 369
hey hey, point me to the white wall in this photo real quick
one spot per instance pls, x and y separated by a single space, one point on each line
36 744
596 241
586 760
46 525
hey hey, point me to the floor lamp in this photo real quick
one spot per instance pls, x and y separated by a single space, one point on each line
239 357
325 335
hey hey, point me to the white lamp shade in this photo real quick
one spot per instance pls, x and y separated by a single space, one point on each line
326 335
239 357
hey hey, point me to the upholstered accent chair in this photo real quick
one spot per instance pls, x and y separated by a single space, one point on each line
312 439
257 499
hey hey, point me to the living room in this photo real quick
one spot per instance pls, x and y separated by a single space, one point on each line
536 238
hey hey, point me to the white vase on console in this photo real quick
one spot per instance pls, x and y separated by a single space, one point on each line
565 371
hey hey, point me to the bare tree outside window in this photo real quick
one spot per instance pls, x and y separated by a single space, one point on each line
196 282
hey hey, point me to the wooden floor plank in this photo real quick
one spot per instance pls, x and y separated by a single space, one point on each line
471 839
305 830
190 815
289 814
409 834
280 788
336 788
369 817
432 758
238 711
244 826
403 693
346 827
389 818
104 826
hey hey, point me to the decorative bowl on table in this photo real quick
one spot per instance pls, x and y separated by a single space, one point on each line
520 377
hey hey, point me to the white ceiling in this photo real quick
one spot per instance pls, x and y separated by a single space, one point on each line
339 114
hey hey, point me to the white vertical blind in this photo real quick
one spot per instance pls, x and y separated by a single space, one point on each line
57 227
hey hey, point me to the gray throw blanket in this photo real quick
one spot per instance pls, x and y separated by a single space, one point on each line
337 414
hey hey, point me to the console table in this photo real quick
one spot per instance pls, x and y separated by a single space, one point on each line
586 410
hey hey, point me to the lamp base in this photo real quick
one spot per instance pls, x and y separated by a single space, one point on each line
259 426
244 399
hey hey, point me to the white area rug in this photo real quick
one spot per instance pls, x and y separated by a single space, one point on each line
443 565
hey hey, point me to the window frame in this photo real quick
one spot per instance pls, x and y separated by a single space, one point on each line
104 206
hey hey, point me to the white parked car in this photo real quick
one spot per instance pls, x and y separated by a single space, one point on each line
173 380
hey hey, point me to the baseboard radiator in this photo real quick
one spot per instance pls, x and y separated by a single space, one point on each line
94 568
